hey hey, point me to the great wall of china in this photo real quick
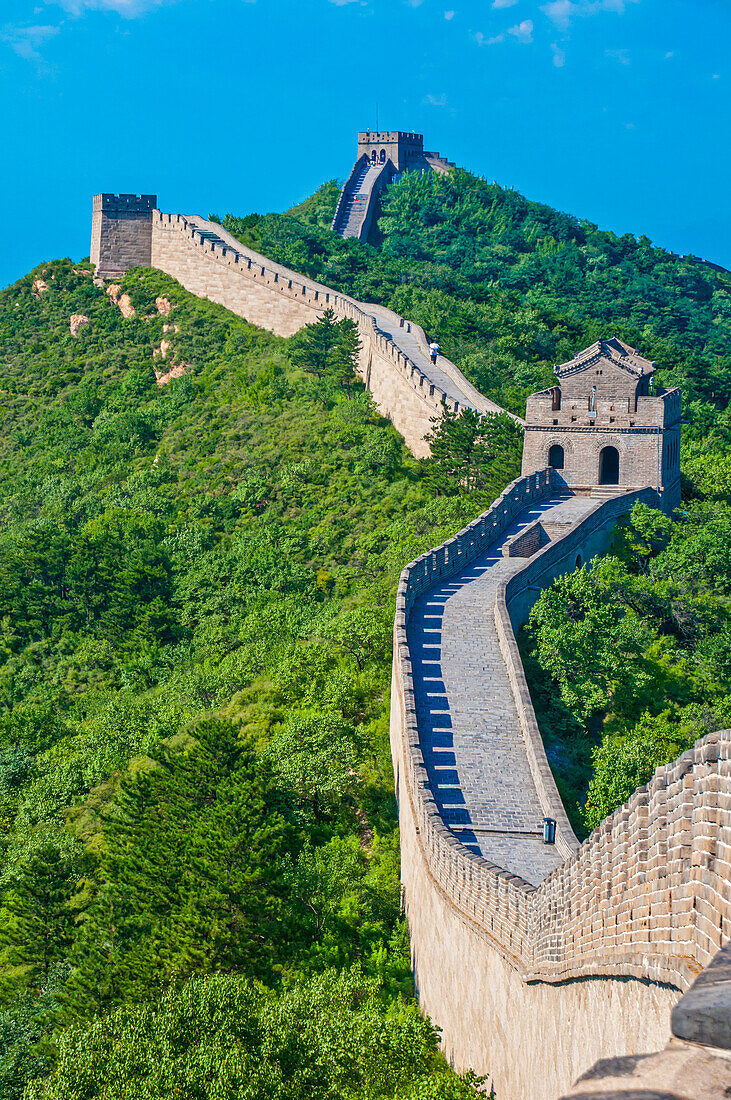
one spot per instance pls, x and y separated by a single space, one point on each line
535 960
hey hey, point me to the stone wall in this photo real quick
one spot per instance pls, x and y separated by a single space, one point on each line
589 964
273 297
121 233
695 1065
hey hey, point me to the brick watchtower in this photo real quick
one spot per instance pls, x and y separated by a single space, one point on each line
605 426
121 233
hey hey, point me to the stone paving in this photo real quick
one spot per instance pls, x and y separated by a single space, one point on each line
469 730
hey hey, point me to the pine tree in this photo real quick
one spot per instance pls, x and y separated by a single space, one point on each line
346 353
192 876
315 344
39 929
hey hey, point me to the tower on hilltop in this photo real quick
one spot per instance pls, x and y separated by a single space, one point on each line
121 233
382 156
605 427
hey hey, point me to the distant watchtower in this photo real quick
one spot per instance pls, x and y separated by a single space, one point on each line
402 149
121 233
605 427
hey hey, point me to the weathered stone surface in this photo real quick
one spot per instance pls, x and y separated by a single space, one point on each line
703 1015
123 301
680 1072
605 400
174 372
77 322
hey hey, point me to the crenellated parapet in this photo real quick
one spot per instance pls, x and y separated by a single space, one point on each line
394 360
646 899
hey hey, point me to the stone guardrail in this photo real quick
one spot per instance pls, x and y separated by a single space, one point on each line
694 1064
280 279
647 894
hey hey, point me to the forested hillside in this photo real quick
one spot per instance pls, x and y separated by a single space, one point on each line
196 588
202 531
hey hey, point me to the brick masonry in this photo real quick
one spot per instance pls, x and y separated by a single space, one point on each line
588 959
583 958
208 261
121 233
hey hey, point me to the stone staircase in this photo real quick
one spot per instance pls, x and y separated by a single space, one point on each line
607 492
351 211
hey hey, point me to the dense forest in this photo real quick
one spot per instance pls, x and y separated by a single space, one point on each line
202 531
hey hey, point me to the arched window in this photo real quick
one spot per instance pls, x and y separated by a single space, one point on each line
609 466
556 457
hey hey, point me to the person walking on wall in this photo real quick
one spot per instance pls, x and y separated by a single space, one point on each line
434 350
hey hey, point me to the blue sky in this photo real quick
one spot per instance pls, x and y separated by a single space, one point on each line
618 111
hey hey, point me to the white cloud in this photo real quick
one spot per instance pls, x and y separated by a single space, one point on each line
435 100
669 54
523 31
480 39
27 41
503 3
449 14
561 12
128 8
559 57
618 55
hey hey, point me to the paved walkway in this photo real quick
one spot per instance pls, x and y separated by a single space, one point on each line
469 730
448 377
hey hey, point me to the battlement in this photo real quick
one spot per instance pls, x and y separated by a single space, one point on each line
375 137
607 423
124 205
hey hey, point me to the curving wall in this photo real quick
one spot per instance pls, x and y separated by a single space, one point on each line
590 963
394 360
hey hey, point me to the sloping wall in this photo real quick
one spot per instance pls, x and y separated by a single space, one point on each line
530 984
277 299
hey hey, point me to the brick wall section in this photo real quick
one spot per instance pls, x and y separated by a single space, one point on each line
646 897
527 542
275 298
121 233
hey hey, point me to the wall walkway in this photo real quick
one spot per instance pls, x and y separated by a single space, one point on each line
394 360
536 962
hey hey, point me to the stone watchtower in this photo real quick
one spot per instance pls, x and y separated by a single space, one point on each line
121 233
605 426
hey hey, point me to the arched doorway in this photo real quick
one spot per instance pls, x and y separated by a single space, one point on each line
609 466
556 456
383 156
374 157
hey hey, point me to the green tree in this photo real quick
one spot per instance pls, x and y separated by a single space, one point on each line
315 753
588 644
473 452
624 763
225 1037
191 878
315 345
38 920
